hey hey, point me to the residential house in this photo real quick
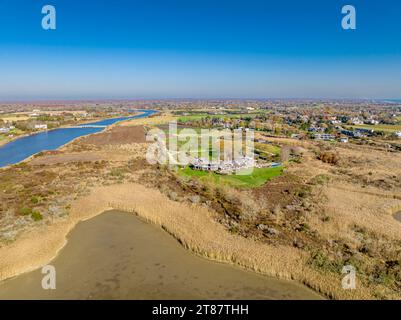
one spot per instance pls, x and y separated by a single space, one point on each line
40 126
323 136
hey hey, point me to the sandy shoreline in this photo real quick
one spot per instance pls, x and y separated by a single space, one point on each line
193 226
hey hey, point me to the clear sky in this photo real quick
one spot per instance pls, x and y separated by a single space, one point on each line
200 49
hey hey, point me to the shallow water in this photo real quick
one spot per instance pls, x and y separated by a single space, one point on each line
118 256
22 148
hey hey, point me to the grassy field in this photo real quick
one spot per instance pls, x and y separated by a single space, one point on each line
266 149
379 127
200 116
257 178
4 137
14 117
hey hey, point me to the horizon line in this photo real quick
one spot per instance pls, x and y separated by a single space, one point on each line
27 101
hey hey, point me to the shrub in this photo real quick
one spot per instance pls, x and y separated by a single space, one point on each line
320 179
25 211
36 215
321 261
303 191
35 199
118 173
328 157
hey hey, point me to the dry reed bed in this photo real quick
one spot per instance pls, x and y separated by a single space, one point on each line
150 121
347 207
193 226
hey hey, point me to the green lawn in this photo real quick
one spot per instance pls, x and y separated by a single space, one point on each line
192 117
257 178
379 127
267 148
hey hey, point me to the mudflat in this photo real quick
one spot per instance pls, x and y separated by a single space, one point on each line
115 255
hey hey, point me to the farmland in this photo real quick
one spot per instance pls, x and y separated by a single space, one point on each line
379 127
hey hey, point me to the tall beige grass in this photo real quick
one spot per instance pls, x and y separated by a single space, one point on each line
193 226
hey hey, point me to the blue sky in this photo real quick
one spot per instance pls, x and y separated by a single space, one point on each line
199 49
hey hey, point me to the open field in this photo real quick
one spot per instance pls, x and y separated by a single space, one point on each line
150 121
220 116
258 177
117 135
10 136
267 149
15 117
379 127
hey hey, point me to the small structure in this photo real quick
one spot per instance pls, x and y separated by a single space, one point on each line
4 130
356 121
40 126
372 121
323 136
223 167
352 134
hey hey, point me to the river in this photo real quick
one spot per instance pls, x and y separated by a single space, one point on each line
22 148
116 255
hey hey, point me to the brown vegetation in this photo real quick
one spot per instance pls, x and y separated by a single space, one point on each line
117 135
333 207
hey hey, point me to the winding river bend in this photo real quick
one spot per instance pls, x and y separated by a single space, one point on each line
22 148
115 255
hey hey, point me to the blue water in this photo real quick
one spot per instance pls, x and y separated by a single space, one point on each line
25 147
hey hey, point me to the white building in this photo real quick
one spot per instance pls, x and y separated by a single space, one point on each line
323 136
356 121
372 121
4 130
41 126
398 134
224 167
